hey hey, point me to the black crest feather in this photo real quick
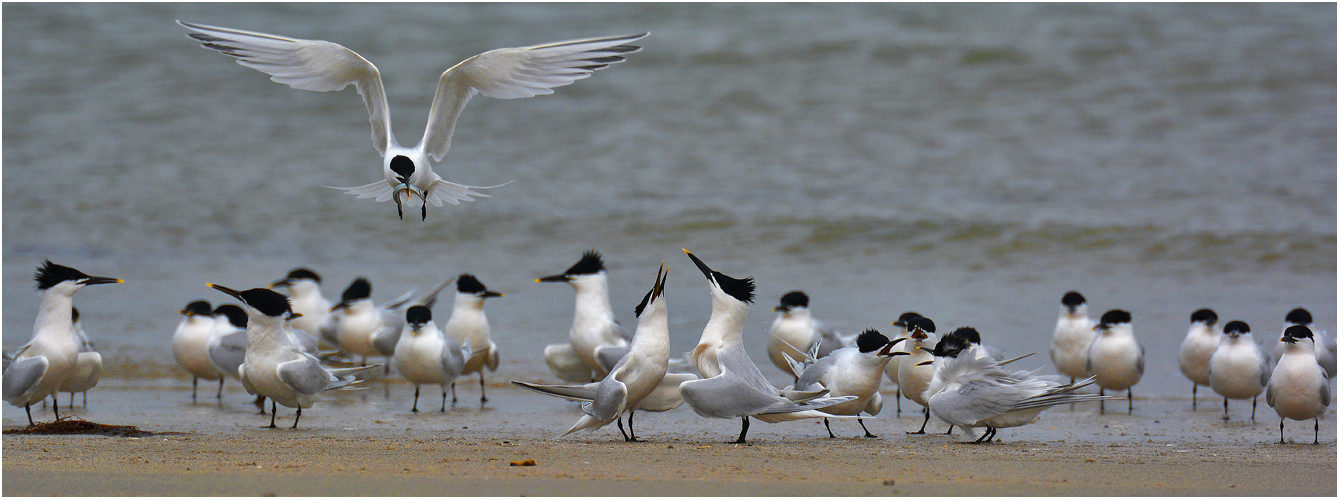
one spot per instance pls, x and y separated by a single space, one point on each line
236 316
902 318
199 308
418 315
590 264
467 283
1072 299
268 302
969 334
1115 317
796 298
950 345
741 289
1204 316
1297 332
50 274
304 273
922 322
871 340
358 290
1299 316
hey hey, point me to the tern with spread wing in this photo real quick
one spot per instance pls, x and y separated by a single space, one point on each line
507 73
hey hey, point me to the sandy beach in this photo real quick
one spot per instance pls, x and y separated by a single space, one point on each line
367 443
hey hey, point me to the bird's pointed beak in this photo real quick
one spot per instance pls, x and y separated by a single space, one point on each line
887 350
293 316
707 271
924 363
96 280
236 294
781 308
339 306
283 282
490 294
557 278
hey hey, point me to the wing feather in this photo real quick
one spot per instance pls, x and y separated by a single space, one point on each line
315 65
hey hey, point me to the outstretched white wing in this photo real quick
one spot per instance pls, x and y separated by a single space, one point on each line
314 65
513 73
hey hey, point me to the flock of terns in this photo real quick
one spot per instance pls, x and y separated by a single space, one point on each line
267 344
280 346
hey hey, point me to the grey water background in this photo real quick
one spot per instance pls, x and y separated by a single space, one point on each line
969 162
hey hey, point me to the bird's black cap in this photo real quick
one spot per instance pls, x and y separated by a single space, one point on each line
1299 316
1072 299
198 308
1295 332
1115 317
795 298
741 289
921 322
467 283
1237 327
969 334
902 319
871 340
358 290
589 264
304 273
1204 316
402 166
418 315
50 274
950 346
265 300
236 316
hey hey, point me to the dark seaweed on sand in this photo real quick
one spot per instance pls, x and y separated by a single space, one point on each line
78 426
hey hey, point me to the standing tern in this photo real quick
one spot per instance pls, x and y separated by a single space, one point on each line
190 344
1238 367
507 73
1073 335
227 346
635 377
42 365
732 385
425 356
366 329
310 307
891 369
1298 388
850 371
275 368
1116 359
914 371
795 330
88 368
1194 355
972 391
1322 342
469 326
596 341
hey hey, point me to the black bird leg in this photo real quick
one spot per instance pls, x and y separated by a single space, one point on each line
1253 409
867 431
1194 386
195 381
1316 430
1100 401
1225 409
482 398
632 435
453 393
296 418
744 428
220 394
830 429
415 409
444 401
1130 402
1281 430
28 409
260 403
272 415
619 420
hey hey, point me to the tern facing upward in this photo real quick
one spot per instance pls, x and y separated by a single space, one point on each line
732 385
42 365
507 73
635 377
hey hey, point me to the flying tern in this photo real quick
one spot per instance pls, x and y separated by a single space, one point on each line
507 73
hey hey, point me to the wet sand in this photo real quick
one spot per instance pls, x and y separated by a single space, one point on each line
367 443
